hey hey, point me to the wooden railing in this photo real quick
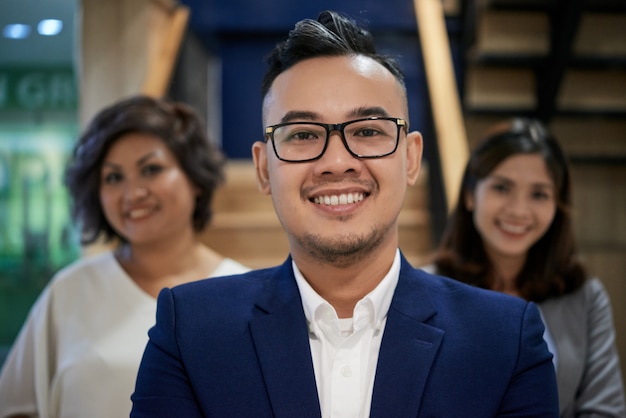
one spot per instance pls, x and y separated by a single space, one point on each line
444 96
169 37
127 47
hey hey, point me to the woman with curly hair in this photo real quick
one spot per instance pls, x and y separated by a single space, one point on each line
141 178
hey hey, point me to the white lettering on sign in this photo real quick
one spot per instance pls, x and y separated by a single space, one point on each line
61 90
36 90
31 90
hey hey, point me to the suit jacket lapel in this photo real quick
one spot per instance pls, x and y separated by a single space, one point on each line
280 335
408 349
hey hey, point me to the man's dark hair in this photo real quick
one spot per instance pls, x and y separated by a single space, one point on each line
331 35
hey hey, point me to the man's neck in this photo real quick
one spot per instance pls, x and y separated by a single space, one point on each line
344 286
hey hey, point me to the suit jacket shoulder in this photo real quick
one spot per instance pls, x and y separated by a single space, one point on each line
480 349
239 346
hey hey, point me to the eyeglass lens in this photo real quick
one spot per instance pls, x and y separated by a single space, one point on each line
367 138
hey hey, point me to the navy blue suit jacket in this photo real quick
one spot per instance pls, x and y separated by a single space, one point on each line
238 346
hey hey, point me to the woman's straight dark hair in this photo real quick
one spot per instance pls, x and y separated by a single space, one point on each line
552 266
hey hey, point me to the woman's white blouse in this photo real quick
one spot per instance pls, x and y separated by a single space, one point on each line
79 350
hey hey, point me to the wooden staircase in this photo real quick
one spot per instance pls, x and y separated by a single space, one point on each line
564 62
559 60
245 226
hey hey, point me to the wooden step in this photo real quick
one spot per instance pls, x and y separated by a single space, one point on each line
499 88
512 33
477 126
240 193
601 35
593 91
246 228
591 138
599 205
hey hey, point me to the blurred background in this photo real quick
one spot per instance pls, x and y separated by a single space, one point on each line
468 64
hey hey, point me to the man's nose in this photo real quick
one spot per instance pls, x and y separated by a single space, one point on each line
337 158
337 145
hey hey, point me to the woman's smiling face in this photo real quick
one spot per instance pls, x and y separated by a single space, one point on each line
145 194
513 206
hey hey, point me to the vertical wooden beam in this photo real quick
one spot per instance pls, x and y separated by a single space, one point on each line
126 47
444 97
169 36
112 58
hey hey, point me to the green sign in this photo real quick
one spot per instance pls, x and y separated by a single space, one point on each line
38 89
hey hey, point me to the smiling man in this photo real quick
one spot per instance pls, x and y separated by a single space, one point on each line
345 327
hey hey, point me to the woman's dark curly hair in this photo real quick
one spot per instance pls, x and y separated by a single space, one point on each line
181 130
552 267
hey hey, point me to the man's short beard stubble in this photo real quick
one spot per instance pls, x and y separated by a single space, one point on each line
345 250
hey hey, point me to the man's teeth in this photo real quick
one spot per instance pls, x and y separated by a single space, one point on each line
342 199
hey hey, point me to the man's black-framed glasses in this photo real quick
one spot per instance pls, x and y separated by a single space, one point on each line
373 137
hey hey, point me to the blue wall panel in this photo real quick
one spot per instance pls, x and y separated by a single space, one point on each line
243 32
278 15
242 70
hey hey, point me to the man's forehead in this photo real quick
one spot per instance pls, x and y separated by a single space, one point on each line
358 65
343 69
368 67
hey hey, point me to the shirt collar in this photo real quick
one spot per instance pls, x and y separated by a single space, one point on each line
373 307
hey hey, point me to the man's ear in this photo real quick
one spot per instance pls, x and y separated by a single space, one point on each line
414 150
259 157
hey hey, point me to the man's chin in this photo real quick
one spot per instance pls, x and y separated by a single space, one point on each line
340 251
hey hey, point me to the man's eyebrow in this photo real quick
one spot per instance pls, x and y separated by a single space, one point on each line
366 112
296 115
359 112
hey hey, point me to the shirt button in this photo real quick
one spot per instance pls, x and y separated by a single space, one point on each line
346 371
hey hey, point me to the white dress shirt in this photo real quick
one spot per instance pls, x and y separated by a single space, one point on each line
345 351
